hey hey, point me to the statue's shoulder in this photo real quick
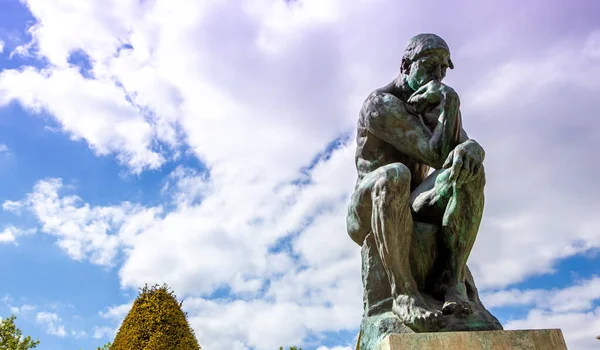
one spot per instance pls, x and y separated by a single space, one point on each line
381 102
379 96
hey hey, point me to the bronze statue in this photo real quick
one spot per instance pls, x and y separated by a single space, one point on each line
417 229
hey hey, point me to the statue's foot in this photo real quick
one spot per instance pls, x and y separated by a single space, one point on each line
457 302
416 314
457 308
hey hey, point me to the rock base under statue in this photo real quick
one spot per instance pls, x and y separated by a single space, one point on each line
539 339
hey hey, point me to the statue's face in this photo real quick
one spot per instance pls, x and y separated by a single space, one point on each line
432 65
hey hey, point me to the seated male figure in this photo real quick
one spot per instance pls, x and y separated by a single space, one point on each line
406 128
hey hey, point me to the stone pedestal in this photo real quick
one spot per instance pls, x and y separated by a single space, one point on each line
539 339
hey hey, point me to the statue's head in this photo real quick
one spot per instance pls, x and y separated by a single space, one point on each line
425 58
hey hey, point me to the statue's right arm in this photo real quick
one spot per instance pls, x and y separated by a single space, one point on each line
386 116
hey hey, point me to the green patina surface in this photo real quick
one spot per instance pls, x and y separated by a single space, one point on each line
417 229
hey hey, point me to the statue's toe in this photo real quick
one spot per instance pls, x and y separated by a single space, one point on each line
427 322
457 308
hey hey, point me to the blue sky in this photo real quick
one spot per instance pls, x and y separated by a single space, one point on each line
209 145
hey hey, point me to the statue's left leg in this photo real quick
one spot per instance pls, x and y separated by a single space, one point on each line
458 210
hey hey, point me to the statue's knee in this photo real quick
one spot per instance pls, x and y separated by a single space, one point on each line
357 229
396 177
477 183
480 177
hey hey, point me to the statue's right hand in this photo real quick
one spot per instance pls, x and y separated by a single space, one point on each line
430 95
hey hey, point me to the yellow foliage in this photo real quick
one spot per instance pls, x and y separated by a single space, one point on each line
155 322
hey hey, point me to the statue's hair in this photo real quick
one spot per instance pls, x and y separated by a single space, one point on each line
421 43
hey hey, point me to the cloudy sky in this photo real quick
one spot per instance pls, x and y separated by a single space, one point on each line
209 145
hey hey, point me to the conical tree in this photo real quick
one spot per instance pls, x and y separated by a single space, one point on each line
155 322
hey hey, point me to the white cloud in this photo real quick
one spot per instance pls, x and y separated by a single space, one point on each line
243 324
255 102
93 110
324 297
116 312
572 309
3 147
101 332
52 323
505 82
489 41
79 334
190 186
534 215
577 297
592 45
580 329
172 74
25 308
84 232
10 234
116 315
1 46
513 297
12 206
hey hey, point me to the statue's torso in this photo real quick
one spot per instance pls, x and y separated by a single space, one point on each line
373 152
